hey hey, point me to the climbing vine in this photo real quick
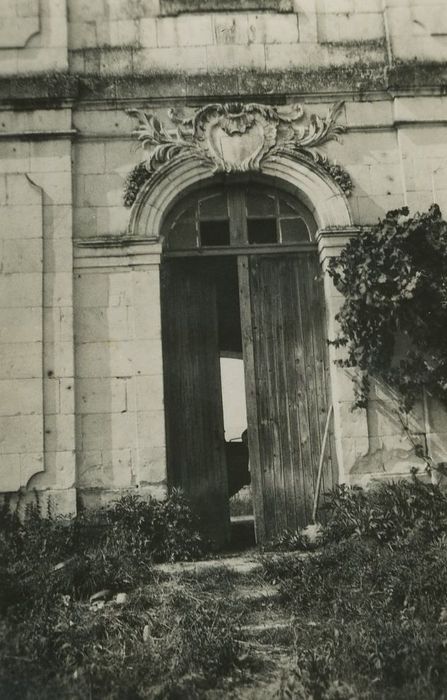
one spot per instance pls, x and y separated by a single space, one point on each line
134 181
393 322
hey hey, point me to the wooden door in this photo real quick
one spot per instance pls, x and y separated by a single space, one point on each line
282 313
193 398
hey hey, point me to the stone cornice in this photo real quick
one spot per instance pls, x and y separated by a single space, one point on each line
58 89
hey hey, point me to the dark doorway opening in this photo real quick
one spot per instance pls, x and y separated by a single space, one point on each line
201 333
241 279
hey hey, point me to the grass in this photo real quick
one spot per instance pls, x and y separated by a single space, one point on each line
367 609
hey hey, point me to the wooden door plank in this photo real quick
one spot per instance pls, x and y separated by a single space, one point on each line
193 397
251 381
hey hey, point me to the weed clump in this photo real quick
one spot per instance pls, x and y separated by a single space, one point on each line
370 605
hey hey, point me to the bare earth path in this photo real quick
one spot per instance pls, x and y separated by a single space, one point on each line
265 631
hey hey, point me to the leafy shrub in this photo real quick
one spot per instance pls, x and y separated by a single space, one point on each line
108 548
368 619
386 512
393 278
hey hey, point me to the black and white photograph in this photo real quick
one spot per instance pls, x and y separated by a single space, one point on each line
223 349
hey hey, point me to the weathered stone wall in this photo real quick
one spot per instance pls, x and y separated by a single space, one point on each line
80 341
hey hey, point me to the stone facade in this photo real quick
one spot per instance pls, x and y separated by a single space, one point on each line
81 397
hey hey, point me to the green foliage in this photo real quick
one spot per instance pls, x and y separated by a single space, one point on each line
387 512
159 642
369 620
394 280
111 548
133 183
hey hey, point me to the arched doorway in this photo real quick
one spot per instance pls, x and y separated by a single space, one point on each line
240 276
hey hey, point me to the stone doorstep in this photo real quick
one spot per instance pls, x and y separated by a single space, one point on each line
238 565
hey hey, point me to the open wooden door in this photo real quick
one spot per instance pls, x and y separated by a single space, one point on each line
193 398
282 313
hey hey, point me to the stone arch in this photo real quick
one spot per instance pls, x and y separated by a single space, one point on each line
309 181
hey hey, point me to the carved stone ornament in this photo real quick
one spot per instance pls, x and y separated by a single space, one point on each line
232 137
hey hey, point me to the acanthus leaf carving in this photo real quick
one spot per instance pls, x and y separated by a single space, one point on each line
235 136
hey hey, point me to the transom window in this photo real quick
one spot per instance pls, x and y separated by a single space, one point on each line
239 216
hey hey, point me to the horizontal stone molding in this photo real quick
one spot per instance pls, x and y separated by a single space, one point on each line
116 252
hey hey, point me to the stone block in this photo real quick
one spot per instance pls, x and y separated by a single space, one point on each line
58 221
101 190
21 255
112 220
10 473
58 324
149 392
367 210
91 289
152 465
59 471
16 31
85 10
82 35
148 357
191 30
187 59
21 221
437 446
59 433
413 109
58 289
84 219
121 288
10 62
370 113
118 61
66 395
106 431
151 428
14 156
58 359
20 397
19 290
103 324
386 179
121 156
120 32
426 48
353 450
237 57
21 434
272 28
147 28
307 23
58 256
107 359
51 395
147 321
39 60
57 186
21 360
104 395
327 6
50 156
352 422
106 469
231 29
25 326
2 193
344 27
100 121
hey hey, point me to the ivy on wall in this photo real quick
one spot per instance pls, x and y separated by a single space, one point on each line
393 322
134 181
